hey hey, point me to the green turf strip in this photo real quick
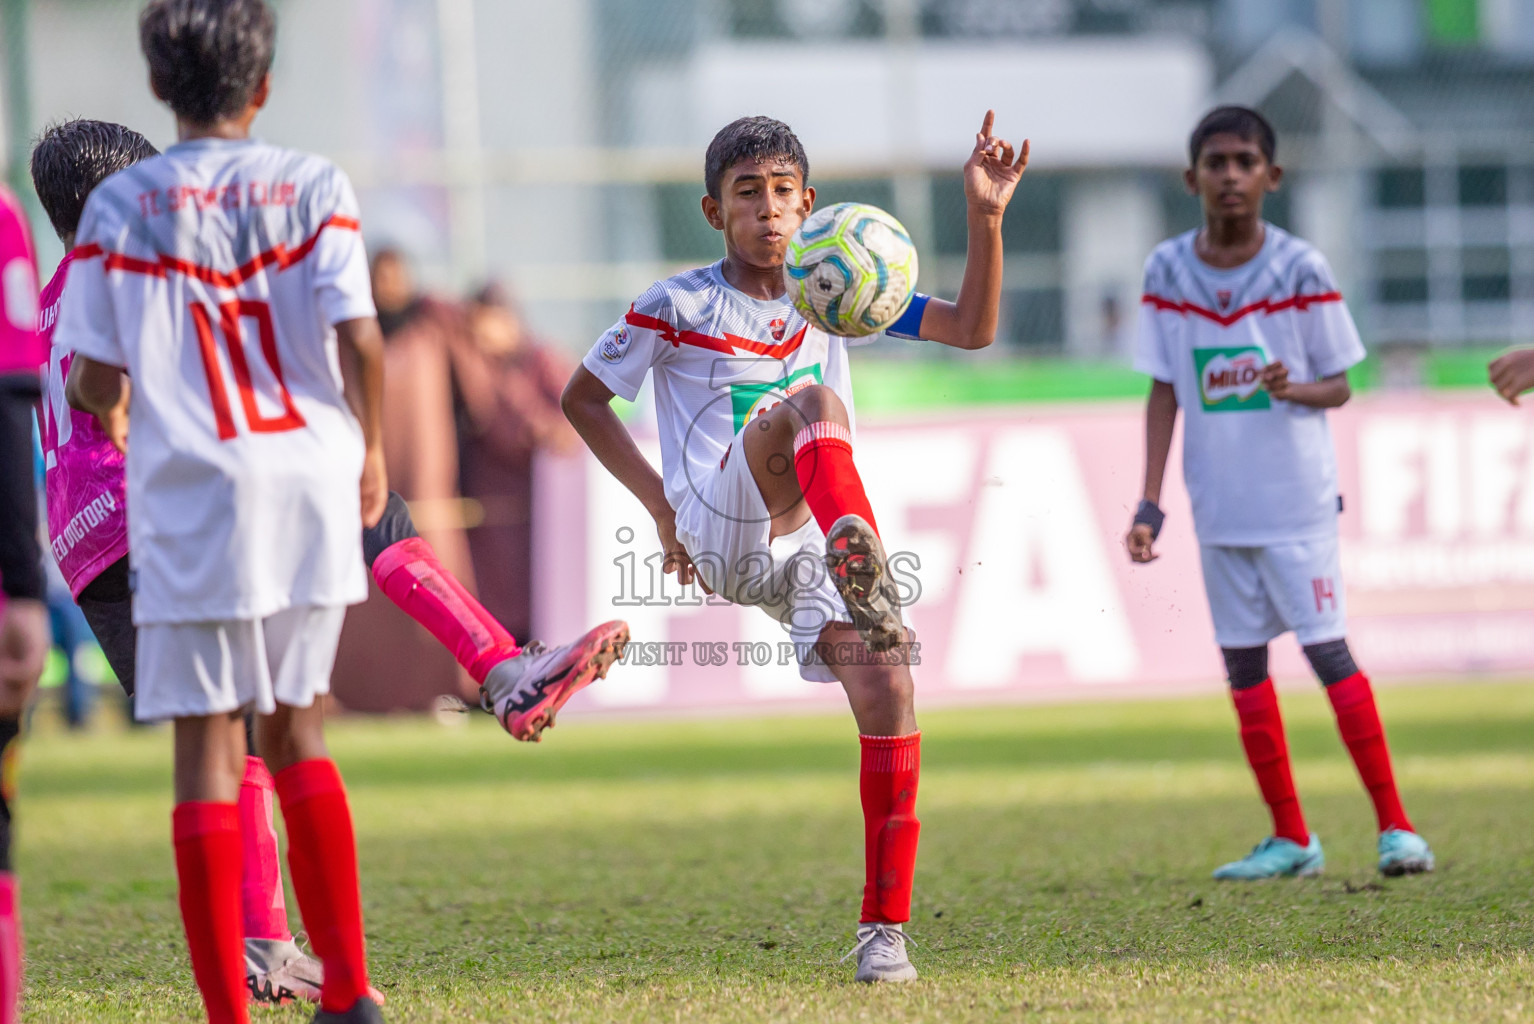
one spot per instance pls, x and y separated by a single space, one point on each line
891 386
709 870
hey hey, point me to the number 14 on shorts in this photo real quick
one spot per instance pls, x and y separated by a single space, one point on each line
1323 590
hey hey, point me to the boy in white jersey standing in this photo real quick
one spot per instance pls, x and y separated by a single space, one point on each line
1242 326
755 410
228 279
87 525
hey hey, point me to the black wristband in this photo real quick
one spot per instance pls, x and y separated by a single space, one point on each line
1150 514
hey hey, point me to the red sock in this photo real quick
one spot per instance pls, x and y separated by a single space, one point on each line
1358 720
10 948
891 767
1262 735
322 855
263 905
409 573
827 476
207 837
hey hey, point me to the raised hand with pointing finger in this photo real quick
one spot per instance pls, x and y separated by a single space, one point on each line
991 175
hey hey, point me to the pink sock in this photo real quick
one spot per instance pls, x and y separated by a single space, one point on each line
409 573
10 948
262 903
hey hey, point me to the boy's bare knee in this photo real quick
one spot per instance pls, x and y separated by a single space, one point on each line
818 403
896 690
883 700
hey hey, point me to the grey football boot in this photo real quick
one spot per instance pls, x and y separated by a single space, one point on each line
524 693
881 953
278 972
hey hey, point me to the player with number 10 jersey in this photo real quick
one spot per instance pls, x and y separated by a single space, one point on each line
226 262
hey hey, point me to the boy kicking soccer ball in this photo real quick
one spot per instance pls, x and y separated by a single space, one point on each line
228 278
755 410
1242 327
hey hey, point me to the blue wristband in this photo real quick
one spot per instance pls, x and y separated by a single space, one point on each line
1150 514
909 324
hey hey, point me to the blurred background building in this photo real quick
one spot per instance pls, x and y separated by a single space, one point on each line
558 146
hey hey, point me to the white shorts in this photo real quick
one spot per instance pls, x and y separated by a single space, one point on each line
724 525
1255 594
191 669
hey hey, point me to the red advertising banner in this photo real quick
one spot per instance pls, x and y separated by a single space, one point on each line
1011 524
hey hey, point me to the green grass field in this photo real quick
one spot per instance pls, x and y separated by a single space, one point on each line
710 870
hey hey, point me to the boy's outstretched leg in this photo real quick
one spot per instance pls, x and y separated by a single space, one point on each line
801 451
1401 850
523 688
882 703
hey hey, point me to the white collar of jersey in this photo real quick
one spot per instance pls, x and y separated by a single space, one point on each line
1269 238
212 142
716 271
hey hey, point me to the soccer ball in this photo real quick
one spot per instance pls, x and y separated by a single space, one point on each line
851 269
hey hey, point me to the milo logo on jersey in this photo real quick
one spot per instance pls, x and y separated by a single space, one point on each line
751 400
1230 379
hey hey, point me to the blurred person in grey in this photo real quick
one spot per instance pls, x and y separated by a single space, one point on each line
507 384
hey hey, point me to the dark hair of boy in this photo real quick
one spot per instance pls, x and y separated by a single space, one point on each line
752 138
207 57
74 157
1242 122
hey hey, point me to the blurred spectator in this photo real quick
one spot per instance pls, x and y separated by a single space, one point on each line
507 387
73 637
1117 330
385 660
419 442
394 291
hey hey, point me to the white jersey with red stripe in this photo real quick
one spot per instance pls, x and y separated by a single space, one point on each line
214 274
1259 471
720 358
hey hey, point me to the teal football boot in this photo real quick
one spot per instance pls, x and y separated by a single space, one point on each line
1404 853
1275 858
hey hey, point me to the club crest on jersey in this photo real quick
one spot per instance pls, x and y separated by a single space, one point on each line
778 327
1230 379
1224 298
616 345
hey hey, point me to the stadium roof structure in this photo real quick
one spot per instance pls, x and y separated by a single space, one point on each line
1314 96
